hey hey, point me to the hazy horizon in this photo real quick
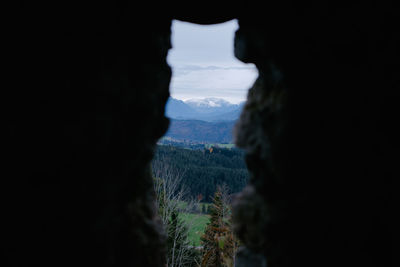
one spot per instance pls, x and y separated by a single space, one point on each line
203 63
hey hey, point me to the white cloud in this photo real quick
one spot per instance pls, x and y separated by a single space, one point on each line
203 63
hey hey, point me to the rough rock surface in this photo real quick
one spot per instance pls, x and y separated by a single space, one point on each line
84 93
85 108
316 131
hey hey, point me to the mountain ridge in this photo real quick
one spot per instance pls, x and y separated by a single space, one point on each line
206 109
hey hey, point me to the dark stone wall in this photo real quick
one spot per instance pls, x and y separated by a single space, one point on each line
317 129
83 95
84 103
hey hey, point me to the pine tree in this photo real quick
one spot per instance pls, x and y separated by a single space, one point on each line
219 244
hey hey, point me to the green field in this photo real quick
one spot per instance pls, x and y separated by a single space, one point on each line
197 224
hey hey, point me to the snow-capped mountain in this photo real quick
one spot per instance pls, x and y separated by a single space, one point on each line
208 102
211 105
207 109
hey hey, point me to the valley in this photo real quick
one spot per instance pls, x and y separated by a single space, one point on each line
205 121
197 171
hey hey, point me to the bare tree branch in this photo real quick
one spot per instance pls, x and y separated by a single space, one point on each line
172 197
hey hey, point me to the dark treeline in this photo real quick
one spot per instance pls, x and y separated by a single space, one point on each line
201 171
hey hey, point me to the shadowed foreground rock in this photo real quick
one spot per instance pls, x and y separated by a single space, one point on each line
84 111
84 94
316 129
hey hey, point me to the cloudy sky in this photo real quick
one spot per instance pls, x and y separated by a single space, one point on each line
203 63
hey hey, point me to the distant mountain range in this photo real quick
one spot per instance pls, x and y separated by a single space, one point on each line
207 109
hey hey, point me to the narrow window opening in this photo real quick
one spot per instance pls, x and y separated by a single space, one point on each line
197 169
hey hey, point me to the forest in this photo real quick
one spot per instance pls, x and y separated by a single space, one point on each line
201 171
201 131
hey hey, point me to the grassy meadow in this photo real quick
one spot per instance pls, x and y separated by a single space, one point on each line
197 223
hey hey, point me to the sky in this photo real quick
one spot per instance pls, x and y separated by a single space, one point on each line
203 63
